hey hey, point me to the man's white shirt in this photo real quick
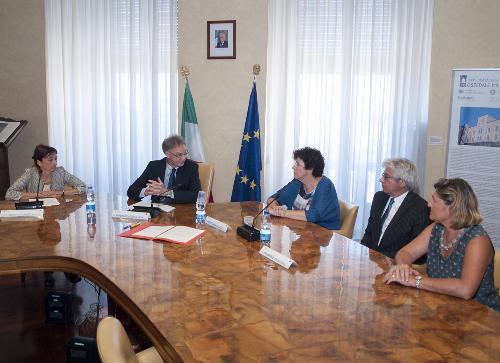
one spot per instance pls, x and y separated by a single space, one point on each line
397 203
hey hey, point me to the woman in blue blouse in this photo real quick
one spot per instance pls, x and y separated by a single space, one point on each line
310 196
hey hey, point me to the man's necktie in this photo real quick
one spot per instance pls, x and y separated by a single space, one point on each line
171 179
386 213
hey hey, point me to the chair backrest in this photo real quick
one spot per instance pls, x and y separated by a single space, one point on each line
113 343
206 171
496 276
348 214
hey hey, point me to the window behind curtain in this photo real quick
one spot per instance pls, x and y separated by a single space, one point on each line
111 85
351 79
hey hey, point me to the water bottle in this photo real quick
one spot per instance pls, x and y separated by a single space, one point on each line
200 208
91 229
265 230
266 214
90 208
90 205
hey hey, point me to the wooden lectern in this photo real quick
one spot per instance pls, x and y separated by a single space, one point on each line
9 129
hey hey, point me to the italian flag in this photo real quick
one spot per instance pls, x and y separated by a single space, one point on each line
189 129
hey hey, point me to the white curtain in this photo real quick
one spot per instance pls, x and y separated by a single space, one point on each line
350 78
111 86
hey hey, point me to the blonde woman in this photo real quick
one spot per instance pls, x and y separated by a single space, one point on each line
460 255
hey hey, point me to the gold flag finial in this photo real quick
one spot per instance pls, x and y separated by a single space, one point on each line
256 69
185 71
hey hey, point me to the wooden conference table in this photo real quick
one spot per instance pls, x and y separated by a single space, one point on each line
219 300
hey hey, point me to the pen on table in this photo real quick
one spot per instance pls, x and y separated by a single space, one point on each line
131 226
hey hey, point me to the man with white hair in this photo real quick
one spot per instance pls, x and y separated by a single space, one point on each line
398 214
173 179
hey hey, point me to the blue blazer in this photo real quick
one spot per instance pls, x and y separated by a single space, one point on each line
324 208
187 179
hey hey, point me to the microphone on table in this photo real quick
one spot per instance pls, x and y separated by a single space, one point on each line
37 204
153 211
250 233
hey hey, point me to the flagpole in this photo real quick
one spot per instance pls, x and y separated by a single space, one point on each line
185 72
189 124
246 185
256 71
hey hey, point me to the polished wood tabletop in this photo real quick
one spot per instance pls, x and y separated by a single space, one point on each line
218 300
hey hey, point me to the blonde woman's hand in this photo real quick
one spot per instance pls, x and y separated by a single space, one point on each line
411 282
399 273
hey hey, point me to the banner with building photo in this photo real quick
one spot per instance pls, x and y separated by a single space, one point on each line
474 140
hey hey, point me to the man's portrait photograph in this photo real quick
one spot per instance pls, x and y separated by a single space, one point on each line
221 39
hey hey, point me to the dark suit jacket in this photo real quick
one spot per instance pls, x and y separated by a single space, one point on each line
411 218
220 45
187 182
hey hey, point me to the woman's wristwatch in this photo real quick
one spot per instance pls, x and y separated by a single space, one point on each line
418 281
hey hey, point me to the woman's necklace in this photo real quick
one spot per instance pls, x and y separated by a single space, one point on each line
445 246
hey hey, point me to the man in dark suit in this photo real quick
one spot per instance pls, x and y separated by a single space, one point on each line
173 179
222 41
398 214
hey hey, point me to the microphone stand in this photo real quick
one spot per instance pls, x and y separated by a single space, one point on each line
38 186
250 233
37 204
153 211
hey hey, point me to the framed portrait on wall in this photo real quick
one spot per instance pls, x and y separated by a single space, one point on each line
221 39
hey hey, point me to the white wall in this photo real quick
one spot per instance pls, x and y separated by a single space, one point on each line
221 88
465 35
22 77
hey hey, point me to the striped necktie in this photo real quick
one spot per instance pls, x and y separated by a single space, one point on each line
171 179
386 213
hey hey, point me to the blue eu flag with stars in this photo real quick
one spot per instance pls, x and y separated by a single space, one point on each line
247 179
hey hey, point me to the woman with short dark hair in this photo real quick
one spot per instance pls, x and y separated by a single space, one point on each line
310 196
44 178
460 255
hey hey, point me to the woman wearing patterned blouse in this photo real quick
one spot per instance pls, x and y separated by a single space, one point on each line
310 196
460 255
45 177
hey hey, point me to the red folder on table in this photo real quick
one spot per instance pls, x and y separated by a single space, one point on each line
163 232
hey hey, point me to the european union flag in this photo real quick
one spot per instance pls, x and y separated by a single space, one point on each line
247 179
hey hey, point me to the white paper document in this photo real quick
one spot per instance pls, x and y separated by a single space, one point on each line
164 207
22 213
153 231
181 234
212 222
47 202
176 234
277 257
126 214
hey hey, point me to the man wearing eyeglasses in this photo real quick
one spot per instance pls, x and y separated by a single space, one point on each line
173 179
398 214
